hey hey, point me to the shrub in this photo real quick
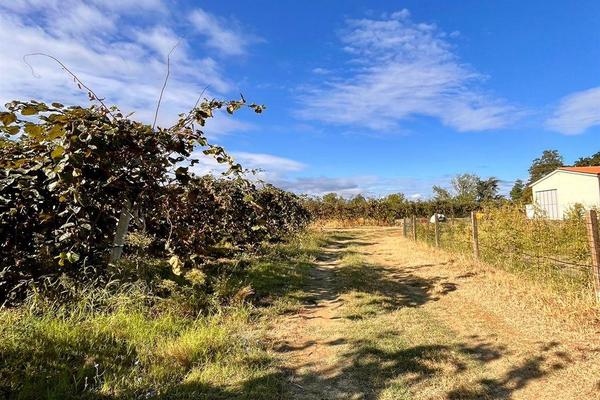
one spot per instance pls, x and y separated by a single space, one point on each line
73 176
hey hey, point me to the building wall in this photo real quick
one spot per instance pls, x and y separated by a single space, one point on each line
571 188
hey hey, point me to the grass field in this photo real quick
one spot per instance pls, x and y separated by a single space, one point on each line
131 350
340 314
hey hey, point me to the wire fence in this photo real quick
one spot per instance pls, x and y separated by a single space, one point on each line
559 251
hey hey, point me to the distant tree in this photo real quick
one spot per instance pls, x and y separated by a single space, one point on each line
542 166
465 187
358 200
591 161
394 205
331 198
487 190
395 199
441 194
517 191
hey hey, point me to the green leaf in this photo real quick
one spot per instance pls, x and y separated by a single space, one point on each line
72 257
57 152
56 132
29 111
11 130
34 131
7 118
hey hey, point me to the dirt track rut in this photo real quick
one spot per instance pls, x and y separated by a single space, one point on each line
429 326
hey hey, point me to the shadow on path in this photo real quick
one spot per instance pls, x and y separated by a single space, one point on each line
365 367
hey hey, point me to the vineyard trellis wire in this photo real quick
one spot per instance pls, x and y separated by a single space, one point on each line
554 250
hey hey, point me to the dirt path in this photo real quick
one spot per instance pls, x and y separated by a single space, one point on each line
388 319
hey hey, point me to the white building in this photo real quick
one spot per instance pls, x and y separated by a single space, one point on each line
561 189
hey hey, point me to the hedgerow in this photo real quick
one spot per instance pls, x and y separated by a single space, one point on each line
385 210
77 181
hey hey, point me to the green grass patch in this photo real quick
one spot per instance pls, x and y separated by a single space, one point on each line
388 347
139 346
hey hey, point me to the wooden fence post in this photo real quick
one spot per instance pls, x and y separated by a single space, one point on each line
437 230
414 227
475 235
594 240
121 233
404 227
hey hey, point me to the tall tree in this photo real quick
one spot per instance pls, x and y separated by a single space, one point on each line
517 191
487 190
440 194
546 163
591 161
395 199
394 204
330 198
465 186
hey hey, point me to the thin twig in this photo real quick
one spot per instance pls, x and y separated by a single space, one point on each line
199 97
162 90
195 105
79 81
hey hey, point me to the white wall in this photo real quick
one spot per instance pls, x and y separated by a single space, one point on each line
571 188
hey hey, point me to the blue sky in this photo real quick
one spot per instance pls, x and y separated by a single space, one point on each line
363 97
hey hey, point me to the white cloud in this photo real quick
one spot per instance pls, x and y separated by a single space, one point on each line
399 69
576 112
268 162
130 6
349 186
219 33
118 48
272 168
320 71
319 186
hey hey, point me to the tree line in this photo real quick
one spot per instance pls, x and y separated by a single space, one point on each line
467 192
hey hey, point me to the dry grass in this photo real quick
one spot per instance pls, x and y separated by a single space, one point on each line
345 314
398 320
138 348
555 253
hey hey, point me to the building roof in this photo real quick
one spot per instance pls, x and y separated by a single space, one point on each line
582 170
577 170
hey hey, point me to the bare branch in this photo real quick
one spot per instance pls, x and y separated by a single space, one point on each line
199 97
77 80
164 84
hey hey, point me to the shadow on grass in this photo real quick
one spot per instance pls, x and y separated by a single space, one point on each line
369 370
394 287
45 366
366 368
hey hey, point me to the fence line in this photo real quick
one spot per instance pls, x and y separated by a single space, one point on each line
594 239
572 245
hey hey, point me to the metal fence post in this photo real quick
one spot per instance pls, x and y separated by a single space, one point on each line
437 230
594 240
405 227
475 235
414 227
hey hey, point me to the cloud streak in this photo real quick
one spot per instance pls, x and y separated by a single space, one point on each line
219 33
576 112
398 69
120 52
